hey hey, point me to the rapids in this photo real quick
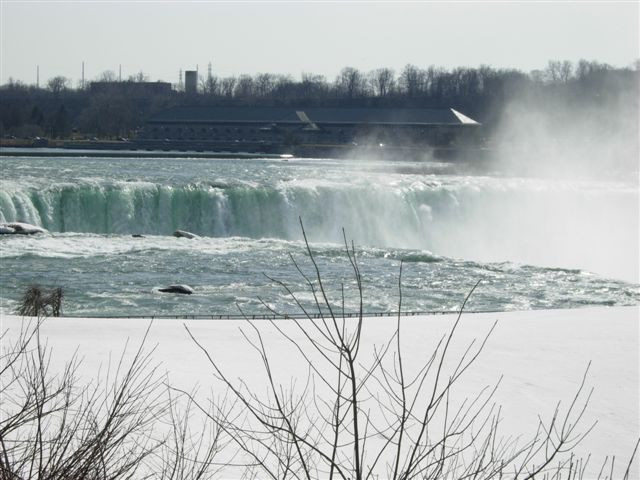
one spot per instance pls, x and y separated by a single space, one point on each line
535 243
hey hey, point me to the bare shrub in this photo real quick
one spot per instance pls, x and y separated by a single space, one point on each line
192 447
36 302
371 417
362 412
53 426
56 425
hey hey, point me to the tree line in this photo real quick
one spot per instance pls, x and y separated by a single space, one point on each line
59 110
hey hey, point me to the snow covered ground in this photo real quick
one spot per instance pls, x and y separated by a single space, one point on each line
541 354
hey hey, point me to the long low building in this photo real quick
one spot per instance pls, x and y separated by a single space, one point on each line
290 126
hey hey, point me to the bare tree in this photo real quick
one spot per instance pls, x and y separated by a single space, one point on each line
566 70
313 86
191 449
58 84
264 84
244 87
139 77
53 427
107 76
559 72
285 88
228 86
412 80
360 417
211 85
382 81
123 425
351 82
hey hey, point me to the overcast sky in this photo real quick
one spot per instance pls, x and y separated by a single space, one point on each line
160 38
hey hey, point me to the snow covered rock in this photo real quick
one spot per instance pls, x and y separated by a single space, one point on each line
20 228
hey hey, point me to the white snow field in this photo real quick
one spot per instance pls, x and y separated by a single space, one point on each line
542 356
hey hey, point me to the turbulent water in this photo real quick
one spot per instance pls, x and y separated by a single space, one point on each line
532 243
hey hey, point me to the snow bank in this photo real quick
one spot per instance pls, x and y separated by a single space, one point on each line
541 354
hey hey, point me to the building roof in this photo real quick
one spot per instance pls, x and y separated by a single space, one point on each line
382 115
130 87
311 116
226 114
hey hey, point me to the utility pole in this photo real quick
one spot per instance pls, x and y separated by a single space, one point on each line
120 72
82 75
37 76
208 84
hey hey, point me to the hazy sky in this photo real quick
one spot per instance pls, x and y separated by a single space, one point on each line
160 38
